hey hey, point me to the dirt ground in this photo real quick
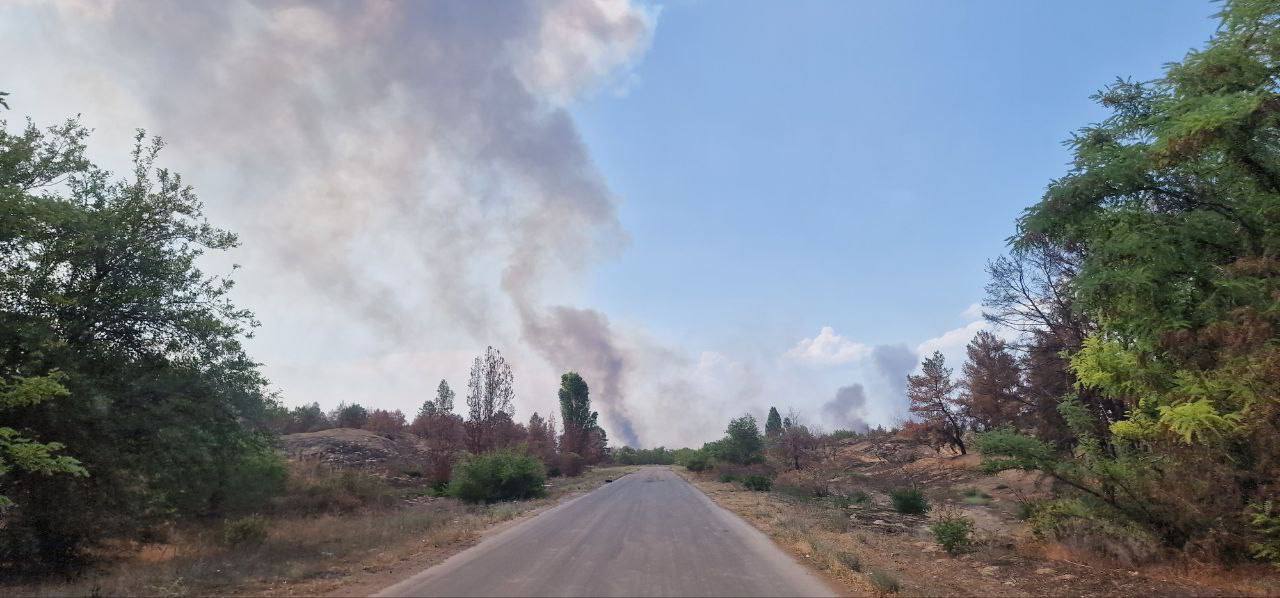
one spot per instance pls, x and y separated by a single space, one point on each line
871 549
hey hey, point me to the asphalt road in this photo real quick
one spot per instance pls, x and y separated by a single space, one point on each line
646 534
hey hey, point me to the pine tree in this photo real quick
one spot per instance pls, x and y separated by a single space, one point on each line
773 425
933 397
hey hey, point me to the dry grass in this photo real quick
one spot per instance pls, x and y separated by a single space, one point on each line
306 554
885 552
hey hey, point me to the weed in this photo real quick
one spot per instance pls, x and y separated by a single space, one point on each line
837 521
974 496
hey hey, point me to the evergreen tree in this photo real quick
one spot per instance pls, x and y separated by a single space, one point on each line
932 394
773 425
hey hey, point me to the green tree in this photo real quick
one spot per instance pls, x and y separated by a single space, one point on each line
18 452
773 424
444 397
742 443
1171 205
98 280
575 413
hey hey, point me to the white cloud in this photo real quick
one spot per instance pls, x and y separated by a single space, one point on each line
973 312
828 348
952 341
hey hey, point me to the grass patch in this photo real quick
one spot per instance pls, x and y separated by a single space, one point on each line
973 496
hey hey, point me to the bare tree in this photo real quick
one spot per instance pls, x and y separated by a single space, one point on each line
490 393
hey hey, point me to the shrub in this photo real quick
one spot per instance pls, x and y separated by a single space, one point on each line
953 532
1089 527
313 488
910 501
836 521
800 484
885 581
728 478
858 497
758 483
850 561
499 475
696 461
245 531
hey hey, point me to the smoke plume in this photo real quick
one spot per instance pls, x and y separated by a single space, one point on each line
847 409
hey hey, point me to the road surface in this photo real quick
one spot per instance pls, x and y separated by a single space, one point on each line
646 534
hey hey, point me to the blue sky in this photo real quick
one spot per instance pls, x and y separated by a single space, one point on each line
706 208
785 166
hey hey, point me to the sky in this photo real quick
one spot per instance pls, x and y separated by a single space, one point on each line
706 208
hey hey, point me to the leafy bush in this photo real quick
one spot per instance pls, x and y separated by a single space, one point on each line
571 464
498 475
953 532
727 478
885 581
758 483
245 531
910 501
696 461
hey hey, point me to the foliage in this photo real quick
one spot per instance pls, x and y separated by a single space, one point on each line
245 531
842 434
990 384
910 501
953 531
695 460
773 423
349 416
99 282
758 483
850 561
22 453
1267 523
582 432
742 443
316 489
727 478
385 422
498 475
655 456
1168 221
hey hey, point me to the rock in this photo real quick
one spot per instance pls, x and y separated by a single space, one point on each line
1045 571
989 571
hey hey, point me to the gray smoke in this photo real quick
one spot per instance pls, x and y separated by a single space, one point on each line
848 409
408 164
893 363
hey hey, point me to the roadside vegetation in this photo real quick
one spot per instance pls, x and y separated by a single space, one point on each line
133 418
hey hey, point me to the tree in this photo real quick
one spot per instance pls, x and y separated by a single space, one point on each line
444 397
575 413
385 422
795 443
932 394
773 424
99 281
742 443
990 384
490 392
349 416
1170 204
542 442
